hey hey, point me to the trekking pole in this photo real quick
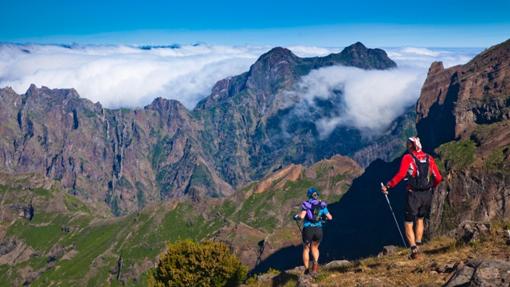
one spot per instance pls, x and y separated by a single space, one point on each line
298 226
394 217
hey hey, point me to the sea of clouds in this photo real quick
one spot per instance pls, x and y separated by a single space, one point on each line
132 76
373 99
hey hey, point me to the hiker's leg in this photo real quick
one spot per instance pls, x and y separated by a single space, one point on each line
410 216
419 229
315 251
306 254
424 212
410 233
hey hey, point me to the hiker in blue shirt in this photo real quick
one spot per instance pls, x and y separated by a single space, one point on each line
314 212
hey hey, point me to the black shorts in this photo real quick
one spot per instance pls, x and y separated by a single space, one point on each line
312 234
418 204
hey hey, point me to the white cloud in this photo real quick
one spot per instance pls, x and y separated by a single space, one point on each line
310 51
128 76
373 99
423 57
124 76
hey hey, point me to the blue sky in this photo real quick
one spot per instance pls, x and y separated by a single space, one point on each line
443 23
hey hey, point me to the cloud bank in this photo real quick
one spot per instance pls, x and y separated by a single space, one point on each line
131 76
371 100
124 76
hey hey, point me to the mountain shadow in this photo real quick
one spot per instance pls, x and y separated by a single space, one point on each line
362 221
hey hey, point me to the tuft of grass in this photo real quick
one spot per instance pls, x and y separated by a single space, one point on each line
73 204
496 160
457 155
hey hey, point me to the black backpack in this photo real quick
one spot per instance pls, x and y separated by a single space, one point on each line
421 181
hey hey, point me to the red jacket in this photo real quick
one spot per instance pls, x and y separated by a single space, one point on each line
408 168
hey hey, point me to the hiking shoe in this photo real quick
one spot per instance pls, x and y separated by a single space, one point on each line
415 253
307 271
315 268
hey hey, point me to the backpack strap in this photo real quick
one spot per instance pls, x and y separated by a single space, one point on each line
416 159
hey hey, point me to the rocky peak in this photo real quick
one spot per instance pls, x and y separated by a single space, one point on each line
161 104
358 55
45 97
6 90
455 100
356 47
436 67
272 71
276 55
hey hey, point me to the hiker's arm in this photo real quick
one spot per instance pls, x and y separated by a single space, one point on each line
435 172
301 214
402 172
327 214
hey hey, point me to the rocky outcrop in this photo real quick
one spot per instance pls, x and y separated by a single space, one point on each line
454 101
469 231
481 273
469 106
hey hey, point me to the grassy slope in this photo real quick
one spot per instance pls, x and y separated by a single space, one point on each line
398 270
98 241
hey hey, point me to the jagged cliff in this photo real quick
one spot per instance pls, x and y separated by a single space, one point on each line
124 157
464 114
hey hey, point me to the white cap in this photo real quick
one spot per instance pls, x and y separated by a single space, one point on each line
416 142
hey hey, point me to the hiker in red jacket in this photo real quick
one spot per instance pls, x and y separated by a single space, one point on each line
417 168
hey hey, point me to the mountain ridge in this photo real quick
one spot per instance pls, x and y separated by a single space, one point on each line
163 150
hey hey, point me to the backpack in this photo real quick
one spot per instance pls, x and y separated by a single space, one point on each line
421 181
313 210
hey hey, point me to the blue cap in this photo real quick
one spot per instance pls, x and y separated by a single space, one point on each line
311 191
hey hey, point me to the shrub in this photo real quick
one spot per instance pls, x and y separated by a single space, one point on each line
188 263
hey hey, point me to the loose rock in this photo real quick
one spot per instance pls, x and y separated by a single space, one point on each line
337 264
388 250
469 231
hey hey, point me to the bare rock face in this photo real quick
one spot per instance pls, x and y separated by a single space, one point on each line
13 252
7 245
469 106
454 101
122 157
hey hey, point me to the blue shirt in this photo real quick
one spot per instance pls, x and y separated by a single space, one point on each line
324 211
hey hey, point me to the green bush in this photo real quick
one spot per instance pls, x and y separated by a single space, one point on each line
188 263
